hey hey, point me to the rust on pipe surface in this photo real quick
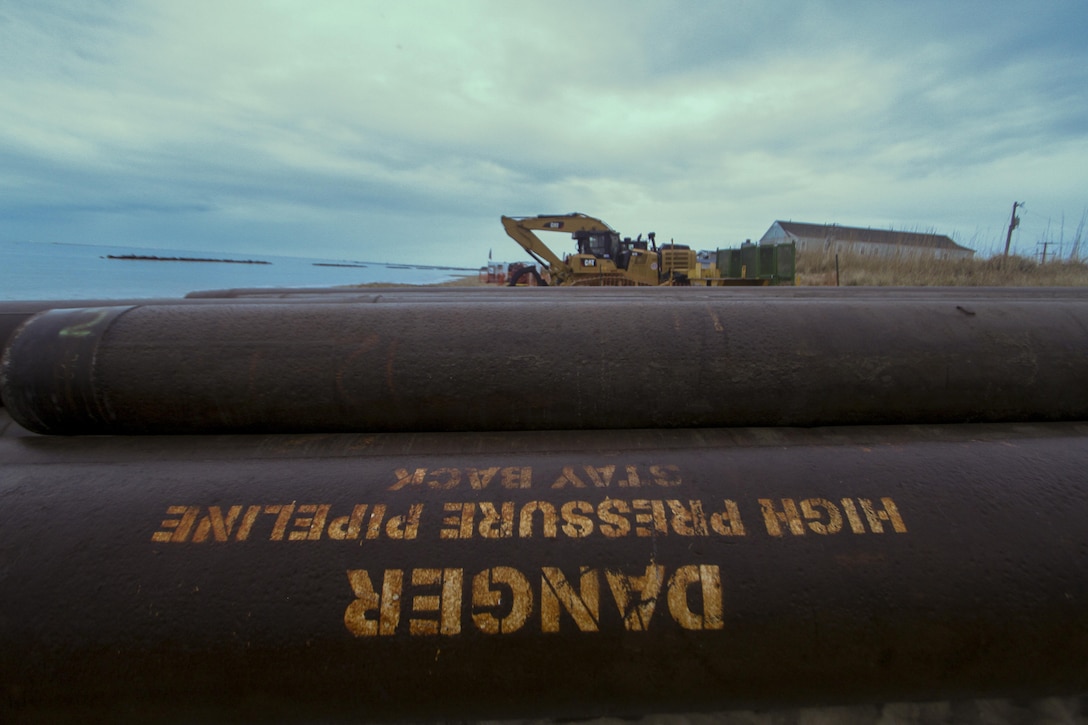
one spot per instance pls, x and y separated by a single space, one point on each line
599 363
539 574
14 313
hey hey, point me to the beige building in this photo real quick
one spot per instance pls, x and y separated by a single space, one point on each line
833 238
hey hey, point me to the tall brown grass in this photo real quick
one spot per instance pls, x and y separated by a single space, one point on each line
818 268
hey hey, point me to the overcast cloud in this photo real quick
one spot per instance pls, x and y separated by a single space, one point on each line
401 131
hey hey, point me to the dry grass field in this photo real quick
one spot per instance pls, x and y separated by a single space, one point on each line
857 270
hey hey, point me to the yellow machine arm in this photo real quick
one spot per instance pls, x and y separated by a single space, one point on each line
521 229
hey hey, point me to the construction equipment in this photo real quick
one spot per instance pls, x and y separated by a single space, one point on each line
776 263
604 259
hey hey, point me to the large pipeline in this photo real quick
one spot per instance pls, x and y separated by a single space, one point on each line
14 313
574 363
538 574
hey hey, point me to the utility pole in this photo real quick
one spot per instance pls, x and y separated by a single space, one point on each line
1013 223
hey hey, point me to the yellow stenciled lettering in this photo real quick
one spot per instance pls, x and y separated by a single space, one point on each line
357 616
283 515
557 594
709 580
404 527
728 522
613 524
406 478
177 529
688 521
502 600
447 603
215 523
888 513
851 512
656 516
636 596
443 479
479 478
815 518
348 527
311 526
496 523
667 476
632 480
248 519
576 524
601 476
547 515
789 515
568 476
517 477
459 524
374 526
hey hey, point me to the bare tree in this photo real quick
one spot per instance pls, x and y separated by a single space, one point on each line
1074 253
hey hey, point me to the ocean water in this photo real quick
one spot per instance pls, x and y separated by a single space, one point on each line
42 271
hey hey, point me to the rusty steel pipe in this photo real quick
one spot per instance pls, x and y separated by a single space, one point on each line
624 363
546 574
14 313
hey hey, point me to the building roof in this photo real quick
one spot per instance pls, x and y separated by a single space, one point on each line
871 236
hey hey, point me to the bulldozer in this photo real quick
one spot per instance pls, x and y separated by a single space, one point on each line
603 258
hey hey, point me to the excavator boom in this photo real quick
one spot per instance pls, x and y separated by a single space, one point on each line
520 229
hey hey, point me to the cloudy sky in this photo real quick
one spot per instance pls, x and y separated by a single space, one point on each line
401 131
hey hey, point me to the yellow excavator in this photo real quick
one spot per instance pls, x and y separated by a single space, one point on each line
602 257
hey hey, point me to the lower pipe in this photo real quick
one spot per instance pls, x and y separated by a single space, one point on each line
539 574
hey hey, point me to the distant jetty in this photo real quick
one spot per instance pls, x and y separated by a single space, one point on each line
153 258
338 264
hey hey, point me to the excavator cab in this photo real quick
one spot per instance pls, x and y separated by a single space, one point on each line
603 245
607 245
